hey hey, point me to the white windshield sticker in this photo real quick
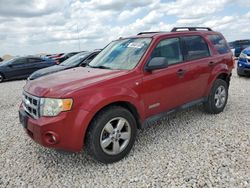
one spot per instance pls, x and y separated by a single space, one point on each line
135 45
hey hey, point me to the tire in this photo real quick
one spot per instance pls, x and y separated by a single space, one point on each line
239 74
1 77
217 98
117 140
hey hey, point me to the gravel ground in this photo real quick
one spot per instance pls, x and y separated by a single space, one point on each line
186 149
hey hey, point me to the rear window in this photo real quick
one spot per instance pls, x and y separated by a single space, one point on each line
195 47
219 43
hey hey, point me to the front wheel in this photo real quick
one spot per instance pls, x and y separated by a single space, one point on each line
239 74
217 98
111 134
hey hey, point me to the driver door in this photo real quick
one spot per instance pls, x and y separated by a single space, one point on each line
163 89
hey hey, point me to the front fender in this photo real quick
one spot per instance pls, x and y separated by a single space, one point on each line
99 99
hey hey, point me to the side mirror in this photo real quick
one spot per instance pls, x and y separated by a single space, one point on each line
157 63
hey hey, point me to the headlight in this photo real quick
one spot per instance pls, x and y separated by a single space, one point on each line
52 107
243 56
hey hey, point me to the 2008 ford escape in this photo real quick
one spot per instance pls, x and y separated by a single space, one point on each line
131 82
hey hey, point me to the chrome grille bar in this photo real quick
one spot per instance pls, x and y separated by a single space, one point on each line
31 105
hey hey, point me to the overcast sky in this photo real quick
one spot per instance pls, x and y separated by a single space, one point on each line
36 26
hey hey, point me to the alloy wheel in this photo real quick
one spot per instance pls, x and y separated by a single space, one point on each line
220 96
115 136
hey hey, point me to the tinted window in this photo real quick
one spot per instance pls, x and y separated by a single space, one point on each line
19 61
170 49
196 48
219 43
34 60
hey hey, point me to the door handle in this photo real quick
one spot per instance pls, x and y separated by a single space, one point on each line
212 63
181 72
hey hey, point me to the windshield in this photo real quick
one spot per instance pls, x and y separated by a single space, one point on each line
75 60
121 54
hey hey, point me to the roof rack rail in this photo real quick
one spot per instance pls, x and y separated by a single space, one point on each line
191 28
149 32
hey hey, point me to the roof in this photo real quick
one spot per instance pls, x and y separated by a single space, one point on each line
175 31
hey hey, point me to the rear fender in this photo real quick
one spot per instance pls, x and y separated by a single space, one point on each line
217 70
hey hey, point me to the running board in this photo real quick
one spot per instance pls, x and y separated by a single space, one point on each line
156 117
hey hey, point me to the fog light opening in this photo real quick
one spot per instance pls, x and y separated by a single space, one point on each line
51 138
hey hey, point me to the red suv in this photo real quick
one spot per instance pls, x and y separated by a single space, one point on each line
131 82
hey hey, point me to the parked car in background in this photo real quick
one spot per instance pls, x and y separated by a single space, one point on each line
22 67
52 56
131 82
65 56
239 45
1 59
81 59
243 68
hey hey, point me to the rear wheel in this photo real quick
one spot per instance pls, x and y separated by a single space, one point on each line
217 98
111 134
1 77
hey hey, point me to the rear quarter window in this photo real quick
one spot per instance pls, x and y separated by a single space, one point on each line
219 43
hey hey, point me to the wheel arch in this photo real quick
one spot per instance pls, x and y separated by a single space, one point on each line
224 76
125 104
2 74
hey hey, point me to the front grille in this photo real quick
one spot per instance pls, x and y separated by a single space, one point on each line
31 105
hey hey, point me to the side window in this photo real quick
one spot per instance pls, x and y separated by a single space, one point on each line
219 43
195 47
19 61
34 60
170 49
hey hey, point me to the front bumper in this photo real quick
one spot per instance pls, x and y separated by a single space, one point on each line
243 67
243 71
65 131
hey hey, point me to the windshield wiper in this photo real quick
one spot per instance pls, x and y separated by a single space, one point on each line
100 67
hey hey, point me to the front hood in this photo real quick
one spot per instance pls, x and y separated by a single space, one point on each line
46 71
63 82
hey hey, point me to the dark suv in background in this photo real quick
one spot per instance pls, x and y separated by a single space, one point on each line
22 67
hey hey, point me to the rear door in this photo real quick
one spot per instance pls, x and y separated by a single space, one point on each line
35 64
223 53
197 66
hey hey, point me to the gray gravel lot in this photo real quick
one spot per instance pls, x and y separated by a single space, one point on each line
186 149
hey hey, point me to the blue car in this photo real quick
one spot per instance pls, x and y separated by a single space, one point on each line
243 68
